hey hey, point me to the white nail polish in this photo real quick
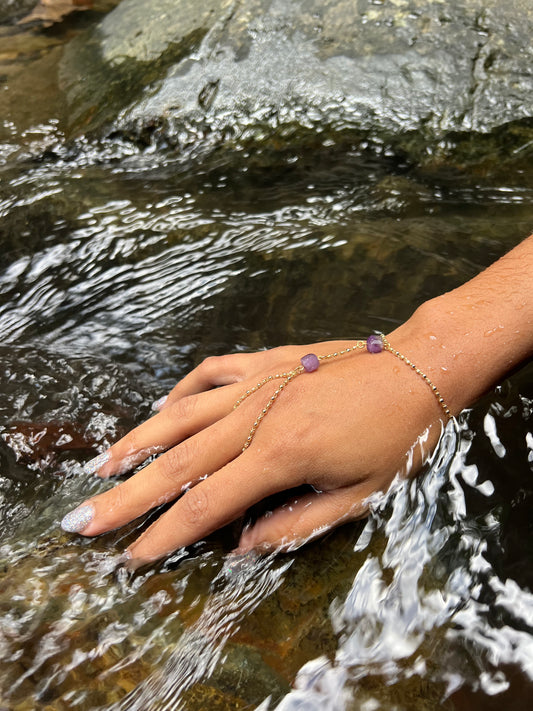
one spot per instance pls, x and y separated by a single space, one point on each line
77 520
95 464
158 404
123 559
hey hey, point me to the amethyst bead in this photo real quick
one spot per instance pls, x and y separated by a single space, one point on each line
374 344
310 362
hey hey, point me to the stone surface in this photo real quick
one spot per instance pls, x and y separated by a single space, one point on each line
244 673
13 10
223 72
130 49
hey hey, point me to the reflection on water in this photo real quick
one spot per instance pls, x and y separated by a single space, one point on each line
119 271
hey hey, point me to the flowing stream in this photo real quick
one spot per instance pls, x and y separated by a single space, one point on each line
121 269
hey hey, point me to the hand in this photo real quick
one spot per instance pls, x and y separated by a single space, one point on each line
344 430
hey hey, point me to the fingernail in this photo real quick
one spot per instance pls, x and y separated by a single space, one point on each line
123 559
77 520
95 464
131 562
158 404
236 561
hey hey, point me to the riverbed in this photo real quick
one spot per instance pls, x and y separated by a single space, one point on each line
122 266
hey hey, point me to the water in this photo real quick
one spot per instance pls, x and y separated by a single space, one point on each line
120 270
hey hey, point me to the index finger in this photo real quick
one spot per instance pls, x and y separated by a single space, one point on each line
172 425
212 372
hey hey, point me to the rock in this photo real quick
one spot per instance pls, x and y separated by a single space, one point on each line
12 10
131 48
34 442
56 413
244 674
228 72
202 696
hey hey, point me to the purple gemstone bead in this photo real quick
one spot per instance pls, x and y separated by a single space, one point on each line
374 344
310 362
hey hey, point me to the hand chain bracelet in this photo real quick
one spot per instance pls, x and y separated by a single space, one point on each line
310 362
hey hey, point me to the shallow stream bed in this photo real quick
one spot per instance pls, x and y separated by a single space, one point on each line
121 268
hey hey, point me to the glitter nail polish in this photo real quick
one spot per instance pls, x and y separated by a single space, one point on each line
158 404
92 466
77 520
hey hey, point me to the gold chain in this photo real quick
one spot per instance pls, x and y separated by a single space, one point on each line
287 377
295 372
387 346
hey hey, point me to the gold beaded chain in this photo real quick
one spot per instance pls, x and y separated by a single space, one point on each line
287 377
387 346
379 342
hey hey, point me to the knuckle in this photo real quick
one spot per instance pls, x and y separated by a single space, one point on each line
195 506
210 364
184 408
213 366
280 358
128 445
228 361
131 442
128 452
176 460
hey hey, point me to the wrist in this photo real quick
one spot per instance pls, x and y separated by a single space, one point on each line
432 343
464 348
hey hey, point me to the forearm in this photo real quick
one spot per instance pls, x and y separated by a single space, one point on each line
468 339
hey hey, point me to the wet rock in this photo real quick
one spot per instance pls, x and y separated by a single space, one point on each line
53 619
203 696
133 46
244 674
13 10
33 443
56 412
293 625
230 72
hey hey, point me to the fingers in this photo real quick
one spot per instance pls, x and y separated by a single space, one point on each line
237 367
208 506
172 425
178 469
306 518
212 372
